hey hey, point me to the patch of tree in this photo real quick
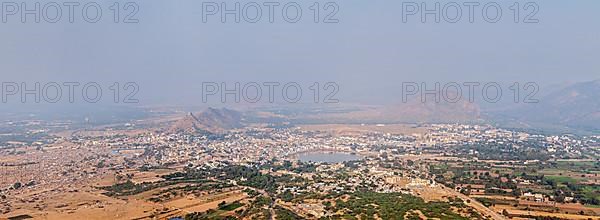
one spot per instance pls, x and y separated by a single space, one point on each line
284 214
392 205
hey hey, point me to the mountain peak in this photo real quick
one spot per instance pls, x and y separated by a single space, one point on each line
211 120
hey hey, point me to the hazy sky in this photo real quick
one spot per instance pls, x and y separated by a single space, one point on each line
369 53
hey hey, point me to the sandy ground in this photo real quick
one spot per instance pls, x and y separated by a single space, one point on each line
85 205
473 203
119 210
202 204
510 210
542 207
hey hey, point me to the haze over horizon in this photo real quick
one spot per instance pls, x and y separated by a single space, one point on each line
369 53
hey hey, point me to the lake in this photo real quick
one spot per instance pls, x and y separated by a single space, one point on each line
327 157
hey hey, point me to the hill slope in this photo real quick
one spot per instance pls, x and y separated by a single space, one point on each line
212 120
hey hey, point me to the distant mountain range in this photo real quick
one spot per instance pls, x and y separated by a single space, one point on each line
574 106
433 112
212 121
412 111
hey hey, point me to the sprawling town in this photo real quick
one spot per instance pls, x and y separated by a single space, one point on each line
332 171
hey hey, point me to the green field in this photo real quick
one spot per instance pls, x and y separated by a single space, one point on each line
231 207
562 179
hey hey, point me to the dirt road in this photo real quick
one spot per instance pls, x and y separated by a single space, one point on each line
474 203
